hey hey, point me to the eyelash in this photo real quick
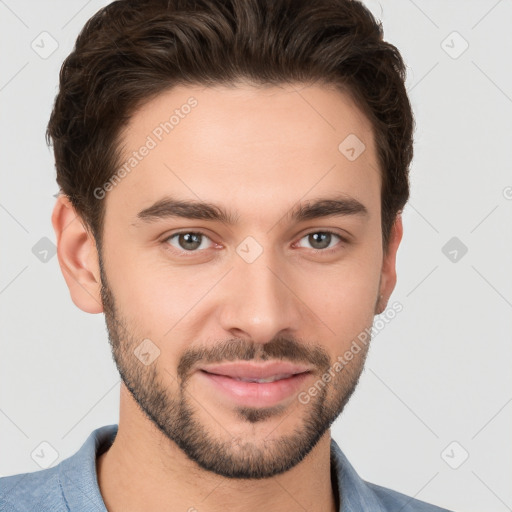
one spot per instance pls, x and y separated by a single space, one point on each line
188 254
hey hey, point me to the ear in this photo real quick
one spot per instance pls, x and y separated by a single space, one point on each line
388 272
78 257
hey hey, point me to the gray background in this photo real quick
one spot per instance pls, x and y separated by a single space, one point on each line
437 385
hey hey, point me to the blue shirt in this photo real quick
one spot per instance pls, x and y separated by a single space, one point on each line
72 485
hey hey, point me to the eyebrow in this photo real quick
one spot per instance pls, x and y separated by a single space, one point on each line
169 207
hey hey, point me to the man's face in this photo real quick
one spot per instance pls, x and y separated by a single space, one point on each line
265 287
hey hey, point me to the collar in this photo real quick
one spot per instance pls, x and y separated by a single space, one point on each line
78 477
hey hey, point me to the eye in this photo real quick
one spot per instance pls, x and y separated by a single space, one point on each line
188 241
322 240
193 242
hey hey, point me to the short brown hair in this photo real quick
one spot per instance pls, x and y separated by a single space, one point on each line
132 50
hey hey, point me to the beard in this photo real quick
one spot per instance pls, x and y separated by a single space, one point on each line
174 414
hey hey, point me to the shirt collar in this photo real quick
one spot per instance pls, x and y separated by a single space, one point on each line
354 493
78 477
81 491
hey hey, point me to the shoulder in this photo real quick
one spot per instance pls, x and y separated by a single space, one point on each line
394 500
70 485
40 490
359 494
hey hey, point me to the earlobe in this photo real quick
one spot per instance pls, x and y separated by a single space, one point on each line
388 273
78 257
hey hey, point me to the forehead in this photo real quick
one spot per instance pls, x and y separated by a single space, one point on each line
246 146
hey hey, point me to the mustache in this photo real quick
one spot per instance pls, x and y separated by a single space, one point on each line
280 348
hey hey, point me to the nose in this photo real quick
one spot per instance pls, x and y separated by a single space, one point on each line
259 302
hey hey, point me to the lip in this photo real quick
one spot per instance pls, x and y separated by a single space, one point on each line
247 370
254 394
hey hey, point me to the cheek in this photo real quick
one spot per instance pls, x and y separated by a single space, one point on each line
157 300
343 297
345 307
143 296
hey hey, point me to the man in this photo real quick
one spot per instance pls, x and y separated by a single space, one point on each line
232 178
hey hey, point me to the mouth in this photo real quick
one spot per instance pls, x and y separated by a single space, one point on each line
272 378
257 372
257 385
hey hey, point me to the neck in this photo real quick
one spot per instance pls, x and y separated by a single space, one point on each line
144 470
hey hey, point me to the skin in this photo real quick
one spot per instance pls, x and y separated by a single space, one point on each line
256 152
